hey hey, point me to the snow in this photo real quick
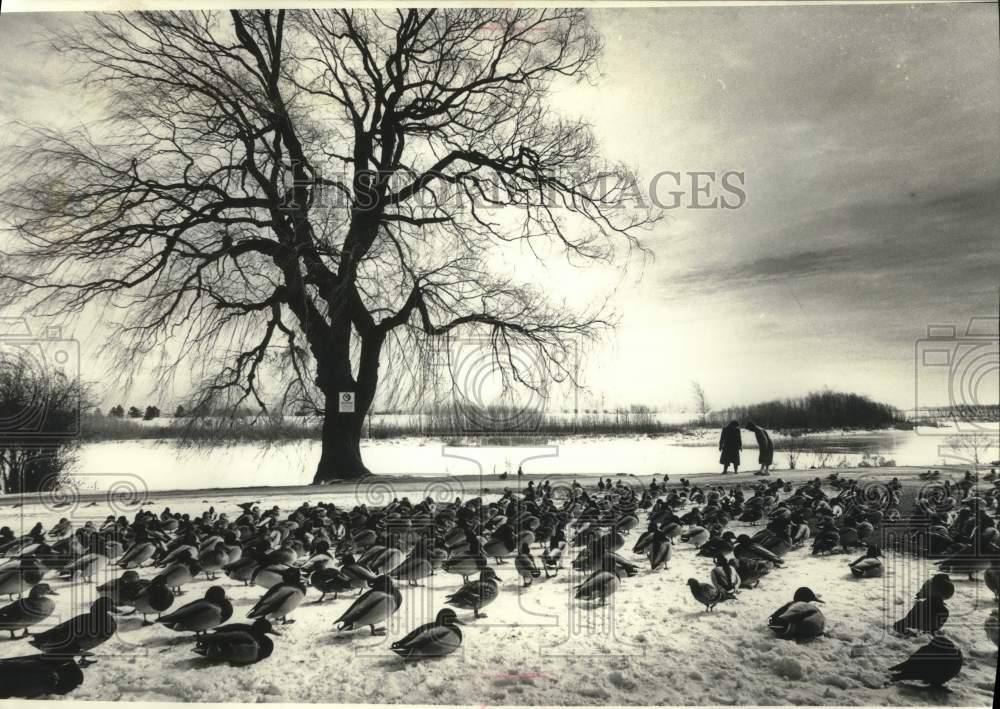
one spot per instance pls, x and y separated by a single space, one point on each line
652 643
163 464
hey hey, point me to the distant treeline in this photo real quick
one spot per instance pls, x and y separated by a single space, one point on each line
449 423
814 411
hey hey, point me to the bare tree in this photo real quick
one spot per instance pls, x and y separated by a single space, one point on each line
701 404
297 198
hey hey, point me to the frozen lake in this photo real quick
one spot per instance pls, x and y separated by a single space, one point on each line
162 465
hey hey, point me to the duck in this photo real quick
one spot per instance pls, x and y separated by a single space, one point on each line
747 549
375 606
152 596
80 634
180 573
242 569
751 571
214 559
23 613
437 639
137 554
799 619
705 593
502 544
928 615
360 575
201 615
526 566
269 575
14 581
415 567
553 554
696 536
870 565
726 577
477 594
121 589
281 599
600 585
239 646
38 676
466 563
659 550
327 579
935 664
939 585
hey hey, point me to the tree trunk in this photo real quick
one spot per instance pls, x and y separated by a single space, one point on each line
341 455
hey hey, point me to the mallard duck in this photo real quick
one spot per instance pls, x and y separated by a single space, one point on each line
213 560
800 619
526 566
939 585
327 579
477 594
600 585
281 599
23 613
415 567
935 664
437 639
725 577
468 562
151 597
659 551
121 589
179 574
238 645
137 554
201 615
80 634
360 575
35 676
870 565
14 581
751 571
373 607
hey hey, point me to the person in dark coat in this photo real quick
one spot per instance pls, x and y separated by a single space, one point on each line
765 447
730 445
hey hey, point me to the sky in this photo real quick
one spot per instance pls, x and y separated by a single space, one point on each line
868 139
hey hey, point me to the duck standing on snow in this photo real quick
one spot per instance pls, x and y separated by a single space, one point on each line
437 639
80 634
327 579
152 597
477 594
201 615
928 615
243 645
23 613
35 676
870 565
659 550
375 606
705 593
935 664
800 619
526 566
281 599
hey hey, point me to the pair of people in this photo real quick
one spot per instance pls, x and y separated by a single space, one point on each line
731 443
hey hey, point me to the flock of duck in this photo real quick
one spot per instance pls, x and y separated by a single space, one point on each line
373 552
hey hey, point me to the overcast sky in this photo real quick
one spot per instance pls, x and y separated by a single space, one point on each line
869 137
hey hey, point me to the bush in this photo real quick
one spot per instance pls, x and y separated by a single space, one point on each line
39 426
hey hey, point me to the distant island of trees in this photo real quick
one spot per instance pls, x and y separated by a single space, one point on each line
821 410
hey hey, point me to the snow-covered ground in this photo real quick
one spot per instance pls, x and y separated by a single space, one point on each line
159 465
651 645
